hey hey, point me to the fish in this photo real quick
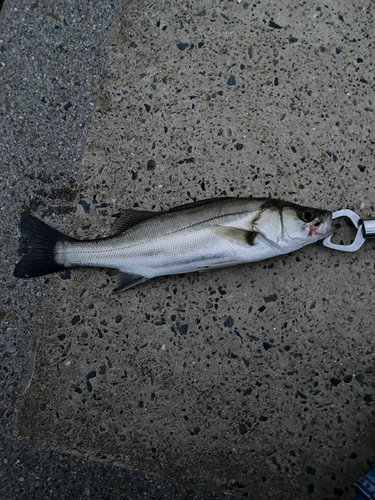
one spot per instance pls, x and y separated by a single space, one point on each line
209 234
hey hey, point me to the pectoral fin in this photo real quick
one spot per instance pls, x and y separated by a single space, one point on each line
235 235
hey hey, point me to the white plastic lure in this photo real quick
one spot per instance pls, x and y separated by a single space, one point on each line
213 233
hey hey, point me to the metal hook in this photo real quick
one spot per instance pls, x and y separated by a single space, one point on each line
360 236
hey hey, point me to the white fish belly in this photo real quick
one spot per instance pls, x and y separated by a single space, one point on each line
196 251
181 251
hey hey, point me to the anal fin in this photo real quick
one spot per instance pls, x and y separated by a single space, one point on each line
124 281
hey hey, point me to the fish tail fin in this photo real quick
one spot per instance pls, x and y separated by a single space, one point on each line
40 242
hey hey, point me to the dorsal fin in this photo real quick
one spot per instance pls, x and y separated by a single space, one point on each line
194 204
129 218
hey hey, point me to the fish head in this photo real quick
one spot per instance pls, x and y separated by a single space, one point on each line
306 224
290 226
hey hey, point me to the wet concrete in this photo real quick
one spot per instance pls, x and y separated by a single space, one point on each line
257 380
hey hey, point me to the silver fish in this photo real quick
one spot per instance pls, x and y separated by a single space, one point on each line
213 233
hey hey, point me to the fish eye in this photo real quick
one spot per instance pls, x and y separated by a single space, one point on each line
307 215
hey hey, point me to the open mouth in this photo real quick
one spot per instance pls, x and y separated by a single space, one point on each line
322 227
325 228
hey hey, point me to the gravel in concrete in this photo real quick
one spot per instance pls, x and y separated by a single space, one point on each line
255 381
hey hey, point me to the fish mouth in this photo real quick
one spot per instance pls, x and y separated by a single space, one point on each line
324 227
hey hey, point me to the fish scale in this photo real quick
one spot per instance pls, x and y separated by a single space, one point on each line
212 233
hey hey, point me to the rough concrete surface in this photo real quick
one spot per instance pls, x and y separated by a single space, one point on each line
52 58
255 381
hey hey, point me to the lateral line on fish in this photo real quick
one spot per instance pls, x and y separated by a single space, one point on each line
177 243
98 251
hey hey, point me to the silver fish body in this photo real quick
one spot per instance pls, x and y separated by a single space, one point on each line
195 237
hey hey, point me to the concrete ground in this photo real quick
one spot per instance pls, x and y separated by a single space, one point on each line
255 381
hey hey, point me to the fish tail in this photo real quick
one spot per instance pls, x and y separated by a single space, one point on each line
40 241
